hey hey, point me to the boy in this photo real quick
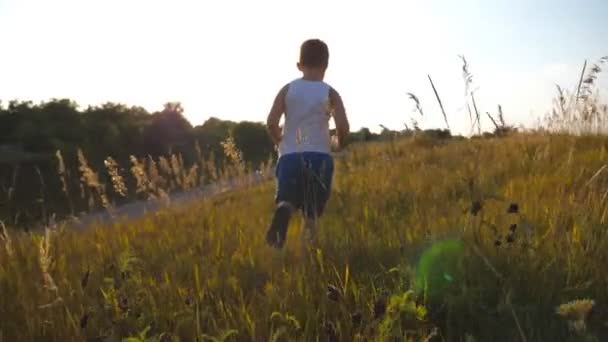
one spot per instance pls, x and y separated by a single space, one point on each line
305 167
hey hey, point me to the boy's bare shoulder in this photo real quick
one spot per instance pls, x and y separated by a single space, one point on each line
334 95
333 92
284 90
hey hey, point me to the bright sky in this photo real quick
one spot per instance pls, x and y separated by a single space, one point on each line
228 58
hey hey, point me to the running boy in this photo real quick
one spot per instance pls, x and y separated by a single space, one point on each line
305 167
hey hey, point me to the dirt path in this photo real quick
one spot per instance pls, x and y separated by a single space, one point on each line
141 208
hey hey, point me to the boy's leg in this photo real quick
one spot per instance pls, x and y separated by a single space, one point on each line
286 200
318 185
277 232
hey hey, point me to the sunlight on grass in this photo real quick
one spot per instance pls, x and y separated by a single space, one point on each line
528 212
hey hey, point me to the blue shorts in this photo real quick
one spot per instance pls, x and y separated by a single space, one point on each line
304 180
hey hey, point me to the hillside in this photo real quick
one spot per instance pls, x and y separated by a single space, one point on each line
438 240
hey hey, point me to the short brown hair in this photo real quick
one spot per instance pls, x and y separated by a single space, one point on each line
314 53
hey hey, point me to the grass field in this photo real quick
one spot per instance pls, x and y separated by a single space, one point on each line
516 227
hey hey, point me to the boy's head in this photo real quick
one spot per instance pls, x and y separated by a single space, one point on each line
314 55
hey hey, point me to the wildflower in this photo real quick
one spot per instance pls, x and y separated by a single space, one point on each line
576 313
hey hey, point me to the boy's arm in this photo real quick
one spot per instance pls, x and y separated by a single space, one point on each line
272 122
342 125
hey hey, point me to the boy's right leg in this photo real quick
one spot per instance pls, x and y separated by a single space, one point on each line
288 183
318 184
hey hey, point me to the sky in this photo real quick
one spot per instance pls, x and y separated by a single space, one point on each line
229 58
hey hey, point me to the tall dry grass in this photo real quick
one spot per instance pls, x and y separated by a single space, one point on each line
580 111
529 216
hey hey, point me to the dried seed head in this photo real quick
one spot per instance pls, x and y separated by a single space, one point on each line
379 308
123 304
476 207
85 279
5 237
356 319
84 320
511 238
330 330
118 182
333 293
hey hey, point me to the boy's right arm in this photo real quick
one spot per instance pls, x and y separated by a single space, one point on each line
342 125
274 117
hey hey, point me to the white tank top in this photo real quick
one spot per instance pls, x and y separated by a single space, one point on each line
306 127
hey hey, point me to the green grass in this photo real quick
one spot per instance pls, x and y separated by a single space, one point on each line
203 272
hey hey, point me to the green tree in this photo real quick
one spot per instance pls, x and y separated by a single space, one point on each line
168 130
253 140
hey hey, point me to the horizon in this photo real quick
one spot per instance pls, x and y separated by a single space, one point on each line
228 59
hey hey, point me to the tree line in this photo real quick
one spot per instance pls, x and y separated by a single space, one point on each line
33 135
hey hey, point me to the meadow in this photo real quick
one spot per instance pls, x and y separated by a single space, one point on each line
515 225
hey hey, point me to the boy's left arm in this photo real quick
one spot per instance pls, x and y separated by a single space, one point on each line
340 118
274 117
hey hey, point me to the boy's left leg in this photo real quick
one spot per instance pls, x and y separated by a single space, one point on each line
277 232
